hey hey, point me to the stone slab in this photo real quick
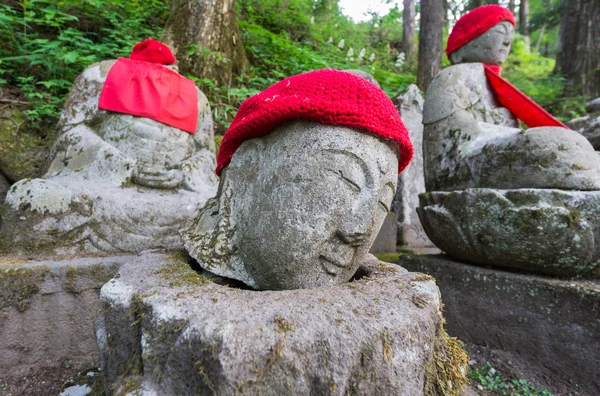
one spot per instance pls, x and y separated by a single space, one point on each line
172 331
411 182
547 322
47 309
386 239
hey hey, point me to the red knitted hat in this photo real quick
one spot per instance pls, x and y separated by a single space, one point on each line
326 96
476 22
153 51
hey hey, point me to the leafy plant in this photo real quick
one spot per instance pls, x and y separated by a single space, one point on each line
491 380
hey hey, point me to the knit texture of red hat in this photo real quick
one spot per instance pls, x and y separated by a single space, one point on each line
153 51
476 22
326 96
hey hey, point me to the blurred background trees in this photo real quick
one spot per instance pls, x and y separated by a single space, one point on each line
234 49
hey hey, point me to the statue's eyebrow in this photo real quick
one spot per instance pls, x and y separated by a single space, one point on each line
363 165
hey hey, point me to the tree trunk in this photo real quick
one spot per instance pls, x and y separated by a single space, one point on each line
408 30
524 23
579 58
511 6
206 40
430 42
539 39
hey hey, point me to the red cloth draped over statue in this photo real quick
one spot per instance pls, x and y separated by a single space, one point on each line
142 86
522 106
472 25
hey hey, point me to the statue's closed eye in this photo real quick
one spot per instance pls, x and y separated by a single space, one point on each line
339 173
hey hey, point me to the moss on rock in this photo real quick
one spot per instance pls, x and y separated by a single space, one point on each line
18 285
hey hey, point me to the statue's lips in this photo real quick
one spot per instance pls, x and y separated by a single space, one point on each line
330 266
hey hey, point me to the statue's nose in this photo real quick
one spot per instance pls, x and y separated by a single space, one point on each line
359 225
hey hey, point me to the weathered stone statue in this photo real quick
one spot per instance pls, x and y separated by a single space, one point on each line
518 195
121 180
311 181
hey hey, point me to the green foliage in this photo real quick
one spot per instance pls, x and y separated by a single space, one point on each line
491 380
534 75
46 43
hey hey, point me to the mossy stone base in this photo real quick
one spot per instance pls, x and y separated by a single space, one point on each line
542 231
552 325
47 310
174 331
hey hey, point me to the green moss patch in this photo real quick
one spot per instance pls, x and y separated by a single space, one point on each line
18 285
446 375
179 273
393 258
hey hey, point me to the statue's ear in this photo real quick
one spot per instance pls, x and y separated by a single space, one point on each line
456 57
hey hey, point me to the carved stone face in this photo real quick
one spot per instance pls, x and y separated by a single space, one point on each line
158 149
307 202
492 47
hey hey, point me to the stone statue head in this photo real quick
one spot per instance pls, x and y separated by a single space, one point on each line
491 48
482 35
300 206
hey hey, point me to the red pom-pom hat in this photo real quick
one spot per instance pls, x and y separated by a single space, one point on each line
327 96
153 51
476 22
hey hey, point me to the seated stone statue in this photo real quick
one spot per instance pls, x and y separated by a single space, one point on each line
472 137
308 173
133 158
498 194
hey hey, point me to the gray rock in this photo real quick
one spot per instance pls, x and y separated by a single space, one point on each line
47 310
386 238
116 183
4 186
542 231
299 207
174 332
471 142
411 182
589 127
593 106
367 76
551 325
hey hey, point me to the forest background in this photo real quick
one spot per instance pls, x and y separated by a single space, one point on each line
45 44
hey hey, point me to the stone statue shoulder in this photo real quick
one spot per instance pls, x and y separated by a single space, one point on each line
457 87
82 104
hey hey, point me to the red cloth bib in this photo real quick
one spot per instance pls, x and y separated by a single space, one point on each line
151 90
521 105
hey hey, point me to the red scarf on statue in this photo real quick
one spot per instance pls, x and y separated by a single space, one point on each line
522 106
142 86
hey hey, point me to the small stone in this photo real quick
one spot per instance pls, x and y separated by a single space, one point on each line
472 362
593 106
77 390
492 371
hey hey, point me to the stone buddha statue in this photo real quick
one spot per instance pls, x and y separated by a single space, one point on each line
308 173
499 194
133 157
472 135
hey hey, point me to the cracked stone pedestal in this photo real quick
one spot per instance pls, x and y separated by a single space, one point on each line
553 325
543 231
47 310
168 330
